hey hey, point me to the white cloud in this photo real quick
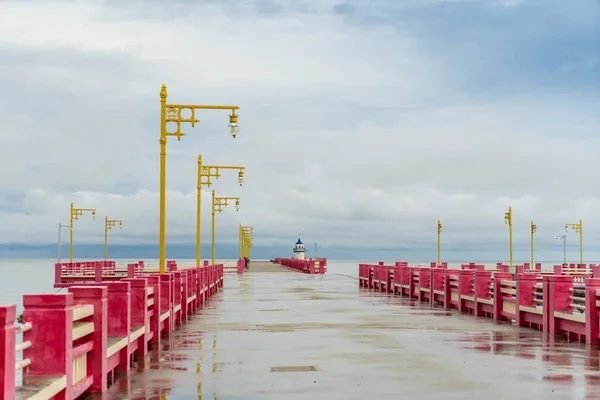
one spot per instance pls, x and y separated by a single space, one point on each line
354 134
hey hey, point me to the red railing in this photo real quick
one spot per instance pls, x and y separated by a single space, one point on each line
564 302
316 266
72 342
239 267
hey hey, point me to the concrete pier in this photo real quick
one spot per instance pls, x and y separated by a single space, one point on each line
266 266
297 336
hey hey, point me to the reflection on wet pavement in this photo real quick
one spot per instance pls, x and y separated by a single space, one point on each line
295 336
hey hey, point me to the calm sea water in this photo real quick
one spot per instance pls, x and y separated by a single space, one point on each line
22 276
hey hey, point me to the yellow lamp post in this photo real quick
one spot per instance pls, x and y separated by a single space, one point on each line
246 240
217 206
533 230
249 240
75 214
241 242
508 220
108 225
177 114
439 226
205 175
577 228
249 237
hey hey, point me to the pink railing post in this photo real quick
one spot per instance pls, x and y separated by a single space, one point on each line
389 284
202 285
526 296
57 273
191 289
8 315
139 312
184 295
592 330
98 272
51 316
546 303
466 288
154 284
166 301
199 283
97 362
131 270
558 269
119 317
483 281
498 302
559 296
437 286
177 300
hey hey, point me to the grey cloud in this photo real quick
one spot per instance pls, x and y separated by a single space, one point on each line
361 140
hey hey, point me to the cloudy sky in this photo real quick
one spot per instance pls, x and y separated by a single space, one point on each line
362 122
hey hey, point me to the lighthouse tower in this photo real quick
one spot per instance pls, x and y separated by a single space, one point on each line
299 250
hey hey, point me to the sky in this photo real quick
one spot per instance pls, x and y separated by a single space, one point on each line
361 124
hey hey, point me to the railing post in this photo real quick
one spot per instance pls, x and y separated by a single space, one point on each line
97 365
166 300
592 328
465 286
139 311
498 302
185 293
98 269
51 317
119 317
192 281
482 290
154 283
8 315
57 273
203 284
559 299
525 295
198 287
177 295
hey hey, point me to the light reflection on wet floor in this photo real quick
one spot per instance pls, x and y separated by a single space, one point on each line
362 344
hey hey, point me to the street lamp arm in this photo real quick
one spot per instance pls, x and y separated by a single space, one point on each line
206 172
112 223
202 107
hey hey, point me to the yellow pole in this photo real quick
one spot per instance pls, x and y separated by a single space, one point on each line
213 228
163 181
508 220
580 242
510 237
438 237
241 238
533 229
71 235
198 213
105 237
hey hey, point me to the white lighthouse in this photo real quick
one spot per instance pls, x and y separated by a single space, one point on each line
299 250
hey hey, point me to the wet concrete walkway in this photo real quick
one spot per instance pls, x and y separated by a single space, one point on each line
267 266
295 336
